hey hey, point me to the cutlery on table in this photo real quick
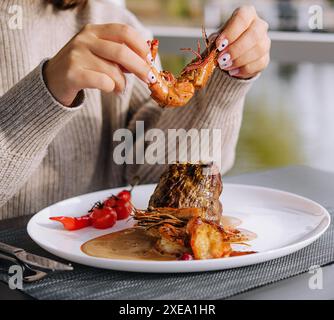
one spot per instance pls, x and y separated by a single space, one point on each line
33 260
29 274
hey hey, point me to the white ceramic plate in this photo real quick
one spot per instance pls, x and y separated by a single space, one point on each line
283 222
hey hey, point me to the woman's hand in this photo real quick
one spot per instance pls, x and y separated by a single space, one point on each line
244 44
97 58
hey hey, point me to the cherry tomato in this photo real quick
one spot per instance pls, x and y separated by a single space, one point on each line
124 195
110 202
103 217
123 209
187 257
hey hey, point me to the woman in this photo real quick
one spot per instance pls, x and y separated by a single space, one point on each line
56 139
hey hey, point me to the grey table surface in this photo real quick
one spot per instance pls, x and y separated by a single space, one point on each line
308 182
312 183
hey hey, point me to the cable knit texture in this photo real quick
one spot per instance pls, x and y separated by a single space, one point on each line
49 152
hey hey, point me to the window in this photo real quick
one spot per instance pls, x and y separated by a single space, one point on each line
289 15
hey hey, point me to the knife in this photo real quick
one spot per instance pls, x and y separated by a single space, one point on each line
33 259
30 274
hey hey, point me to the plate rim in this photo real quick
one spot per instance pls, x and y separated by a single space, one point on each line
194 265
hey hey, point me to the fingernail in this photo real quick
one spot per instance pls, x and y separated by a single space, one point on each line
226 65
149 59
222 44
151 77
234 72
224 59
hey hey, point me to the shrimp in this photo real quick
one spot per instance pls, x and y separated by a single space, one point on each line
169 91
180 230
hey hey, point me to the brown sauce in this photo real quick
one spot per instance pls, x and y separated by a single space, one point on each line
128 244
228 221
136 244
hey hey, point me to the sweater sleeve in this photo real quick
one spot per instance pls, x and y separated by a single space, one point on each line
217 107
29 120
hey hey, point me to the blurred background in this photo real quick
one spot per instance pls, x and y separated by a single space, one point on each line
289 111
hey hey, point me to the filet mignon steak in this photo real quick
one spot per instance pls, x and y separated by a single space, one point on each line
190 185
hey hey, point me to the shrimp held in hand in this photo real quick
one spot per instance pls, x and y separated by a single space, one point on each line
169 91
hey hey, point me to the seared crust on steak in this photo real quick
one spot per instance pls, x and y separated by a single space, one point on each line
189 185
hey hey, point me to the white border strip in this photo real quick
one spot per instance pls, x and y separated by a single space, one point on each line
289 47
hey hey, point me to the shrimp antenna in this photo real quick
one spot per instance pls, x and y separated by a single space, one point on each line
205 37
193 51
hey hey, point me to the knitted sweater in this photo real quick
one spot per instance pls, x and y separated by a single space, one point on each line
49 152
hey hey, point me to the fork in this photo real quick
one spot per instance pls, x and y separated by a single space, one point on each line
29 274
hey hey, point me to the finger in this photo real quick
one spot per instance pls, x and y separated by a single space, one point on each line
248 40
213 37
251 69
255 53
122 55
122 33
112 70
124 70
240 21
89 79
